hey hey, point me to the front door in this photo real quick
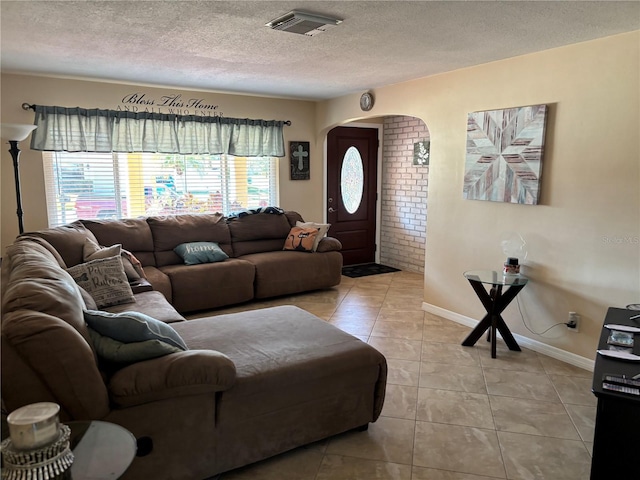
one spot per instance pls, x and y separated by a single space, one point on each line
352 177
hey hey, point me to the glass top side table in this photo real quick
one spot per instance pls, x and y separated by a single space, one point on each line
494 302
102 450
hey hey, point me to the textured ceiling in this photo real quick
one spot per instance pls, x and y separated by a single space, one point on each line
221 45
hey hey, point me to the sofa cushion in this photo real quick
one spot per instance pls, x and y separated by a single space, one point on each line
152 303
121 352
301 239
61 359
42 242
194 253
261 232
169 232
289 344
210 285
68 240
129 327
287 272
105 281
133 234
160 282
33 280
89 302
293 217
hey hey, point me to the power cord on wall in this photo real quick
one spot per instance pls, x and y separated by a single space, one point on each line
527 326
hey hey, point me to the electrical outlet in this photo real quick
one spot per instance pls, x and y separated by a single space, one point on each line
574 322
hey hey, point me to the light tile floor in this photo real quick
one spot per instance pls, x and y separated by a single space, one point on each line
451 412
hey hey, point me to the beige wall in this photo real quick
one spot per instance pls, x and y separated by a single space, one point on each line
298 195
583 240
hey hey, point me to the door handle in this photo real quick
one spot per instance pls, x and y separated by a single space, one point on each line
332 210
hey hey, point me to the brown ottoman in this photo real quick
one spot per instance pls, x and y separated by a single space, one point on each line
299 380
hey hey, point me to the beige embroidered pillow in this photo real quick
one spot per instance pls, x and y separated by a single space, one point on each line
301 239
105 281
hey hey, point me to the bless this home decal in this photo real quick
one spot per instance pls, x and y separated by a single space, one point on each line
172 104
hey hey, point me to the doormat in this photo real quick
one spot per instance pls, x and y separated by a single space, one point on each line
355 271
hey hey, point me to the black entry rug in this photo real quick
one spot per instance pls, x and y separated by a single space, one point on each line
355 271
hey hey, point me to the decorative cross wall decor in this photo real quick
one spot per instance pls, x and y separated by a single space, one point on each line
300 166
504 154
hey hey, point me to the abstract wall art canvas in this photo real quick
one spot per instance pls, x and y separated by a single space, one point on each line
504 154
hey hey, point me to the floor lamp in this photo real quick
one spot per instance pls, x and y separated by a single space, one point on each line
15 133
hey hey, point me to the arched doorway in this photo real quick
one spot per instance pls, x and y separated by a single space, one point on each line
403 190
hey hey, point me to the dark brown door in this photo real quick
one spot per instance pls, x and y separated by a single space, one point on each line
352 176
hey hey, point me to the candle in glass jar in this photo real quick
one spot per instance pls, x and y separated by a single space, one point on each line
34 425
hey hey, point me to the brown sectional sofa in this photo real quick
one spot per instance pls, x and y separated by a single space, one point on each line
257 266
251 384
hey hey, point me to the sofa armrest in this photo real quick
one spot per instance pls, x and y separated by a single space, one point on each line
329 244
192 372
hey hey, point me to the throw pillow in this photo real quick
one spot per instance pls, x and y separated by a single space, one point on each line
120 352
301 239
92 251
130 327
323 228
105 281
194 253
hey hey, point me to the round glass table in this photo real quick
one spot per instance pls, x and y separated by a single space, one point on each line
494 302
102 450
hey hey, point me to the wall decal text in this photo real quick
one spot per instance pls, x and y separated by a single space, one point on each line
172 104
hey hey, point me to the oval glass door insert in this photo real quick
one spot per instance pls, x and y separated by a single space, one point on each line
352 179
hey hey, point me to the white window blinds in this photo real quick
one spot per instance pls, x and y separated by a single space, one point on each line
126 185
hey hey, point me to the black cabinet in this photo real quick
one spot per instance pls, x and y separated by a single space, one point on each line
616 448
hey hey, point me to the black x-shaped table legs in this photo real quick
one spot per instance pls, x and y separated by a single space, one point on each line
494 303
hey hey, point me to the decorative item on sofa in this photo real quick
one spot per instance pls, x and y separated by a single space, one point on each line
323 229
38 446
93 251
15 133
194 253
129 337
105 281
253 211
301 239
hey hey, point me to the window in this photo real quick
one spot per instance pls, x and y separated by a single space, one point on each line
126 185
352 180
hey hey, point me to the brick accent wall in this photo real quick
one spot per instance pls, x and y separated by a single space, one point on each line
404 195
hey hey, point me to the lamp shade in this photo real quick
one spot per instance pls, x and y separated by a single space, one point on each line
15 131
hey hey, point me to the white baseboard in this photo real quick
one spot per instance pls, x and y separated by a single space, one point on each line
535 345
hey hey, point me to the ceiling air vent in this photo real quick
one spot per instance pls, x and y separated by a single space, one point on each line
303 23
